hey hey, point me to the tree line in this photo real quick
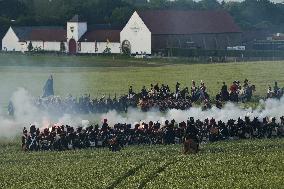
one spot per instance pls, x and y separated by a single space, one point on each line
249 14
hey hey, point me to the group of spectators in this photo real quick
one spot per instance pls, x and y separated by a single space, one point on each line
170 132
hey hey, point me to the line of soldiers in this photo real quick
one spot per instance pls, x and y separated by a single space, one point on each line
162 98
120 135
84 104
157 96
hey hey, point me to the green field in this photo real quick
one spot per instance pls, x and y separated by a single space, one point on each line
113 75
232 164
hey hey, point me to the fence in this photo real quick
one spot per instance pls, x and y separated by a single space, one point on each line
222 55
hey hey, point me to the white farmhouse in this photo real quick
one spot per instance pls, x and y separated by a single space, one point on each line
76 38
146 32
41 38
135 36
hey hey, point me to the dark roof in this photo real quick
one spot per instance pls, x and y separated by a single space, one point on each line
22 32
48 35
105 27
101 35
188 22
76 18
40 33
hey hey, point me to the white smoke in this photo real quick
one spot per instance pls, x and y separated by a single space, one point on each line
26 113
268 108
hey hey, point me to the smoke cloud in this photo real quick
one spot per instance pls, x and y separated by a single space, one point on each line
26 113
268 108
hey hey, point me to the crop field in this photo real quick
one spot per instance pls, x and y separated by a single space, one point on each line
113 75
232 164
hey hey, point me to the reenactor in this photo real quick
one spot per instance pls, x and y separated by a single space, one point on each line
24 139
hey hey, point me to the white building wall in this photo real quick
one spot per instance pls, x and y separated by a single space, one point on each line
90 47
79 29
10 41
82 29
137 33
47 45
53 46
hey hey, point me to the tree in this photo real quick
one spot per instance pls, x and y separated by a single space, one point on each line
62 47
184 4
249 14
121 15
30 47
209 4
107 50
158 4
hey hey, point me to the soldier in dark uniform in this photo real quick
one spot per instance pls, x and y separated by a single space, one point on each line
281 127
219 101
32 139
194 91
105 125
276 88
169 134
114 145
224 92
130 91
144 93
245 83
24 139
177 88
191 142
156 88
272 128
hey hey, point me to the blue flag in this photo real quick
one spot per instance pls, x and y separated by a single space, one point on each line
48 88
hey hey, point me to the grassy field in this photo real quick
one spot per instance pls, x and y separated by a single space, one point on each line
233 164
109 75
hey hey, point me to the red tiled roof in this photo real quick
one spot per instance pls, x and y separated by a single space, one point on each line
40 33
188 22
101 35
48 35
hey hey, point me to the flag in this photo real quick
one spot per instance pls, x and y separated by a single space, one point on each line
48 88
